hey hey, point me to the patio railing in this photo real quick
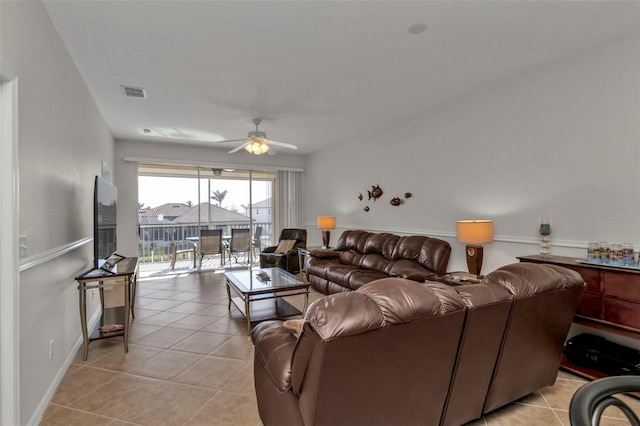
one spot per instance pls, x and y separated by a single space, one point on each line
155 243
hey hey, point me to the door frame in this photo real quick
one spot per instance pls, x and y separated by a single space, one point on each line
9 255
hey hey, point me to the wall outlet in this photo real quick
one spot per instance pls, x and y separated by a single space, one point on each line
51 349
93 294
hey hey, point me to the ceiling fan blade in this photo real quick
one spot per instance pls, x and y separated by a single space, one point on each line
282 144
238 148
231 140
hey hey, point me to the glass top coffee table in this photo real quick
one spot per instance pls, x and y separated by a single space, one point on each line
258 293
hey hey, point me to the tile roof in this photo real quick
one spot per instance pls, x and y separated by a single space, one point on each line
168 210
218 215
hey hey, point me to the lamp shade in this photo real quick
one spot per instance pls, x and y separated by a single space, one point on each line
326 222
474 231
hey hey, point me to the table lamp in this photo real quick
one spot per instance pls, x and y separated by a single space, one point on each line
326 223
473 233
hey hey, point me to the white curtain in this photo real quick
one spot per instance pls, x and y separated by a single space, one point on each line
289 201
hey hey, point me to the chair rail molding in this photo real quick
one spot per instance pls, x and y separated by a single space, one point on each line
514 239
46 256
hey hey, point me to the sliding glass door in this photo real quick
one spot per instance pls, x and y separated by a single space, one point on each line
176 204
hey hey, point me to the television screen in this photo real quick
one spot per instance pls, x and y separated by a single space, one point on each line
104 221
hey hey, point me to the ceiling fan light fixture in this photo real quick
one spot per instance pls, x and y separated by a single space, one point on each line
257 148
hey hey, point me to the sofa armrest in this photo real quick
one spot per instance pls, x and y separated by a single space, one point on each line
274 346
324 253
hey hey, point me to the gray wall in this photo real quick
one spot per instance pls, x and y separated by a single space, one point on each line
560 141
62 140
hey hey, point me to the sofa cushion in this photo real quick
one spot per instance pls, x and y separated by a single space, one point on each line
382 244
410 269
340 273
374 261
388 301
528 279
350 257
353 240
361 277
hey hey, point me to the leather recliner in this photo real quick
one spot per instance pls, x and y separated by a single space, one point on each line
385 353
381 355
290 260
517 321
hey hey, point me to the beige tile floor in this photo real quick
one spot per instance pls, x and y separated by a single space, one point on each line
190 362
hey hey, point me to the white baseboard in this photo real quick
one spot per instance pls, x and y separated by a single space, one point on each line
46 399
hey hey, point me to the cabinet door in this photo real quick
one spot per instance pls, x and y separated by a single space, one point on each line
590 306
621 298
591 300
621 285
621 312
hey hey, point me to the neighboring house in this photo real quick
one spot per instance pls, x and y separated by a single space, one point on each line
169 211
261 212
187 221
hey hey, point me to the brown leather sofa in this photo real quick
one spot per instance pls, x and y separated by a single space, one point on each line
361 257
381 355
399 352
517 321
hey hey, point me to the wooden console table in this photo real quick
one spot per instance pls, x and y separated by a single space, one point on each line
121 273
610 302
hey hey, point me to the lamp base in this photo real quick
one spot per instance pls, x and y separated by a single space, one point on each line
326 235
474 259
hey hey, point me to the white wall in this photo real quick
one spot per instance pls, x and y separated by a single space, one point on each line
62 139
560 141
126 174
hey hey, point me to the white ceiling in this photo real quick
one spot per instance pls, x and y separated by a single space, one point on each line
317 72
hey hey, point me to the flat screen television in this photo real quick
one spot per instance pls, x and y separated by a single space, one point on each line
105 243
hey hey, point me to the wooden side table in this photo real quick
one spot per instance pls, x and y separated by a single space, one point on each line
120 273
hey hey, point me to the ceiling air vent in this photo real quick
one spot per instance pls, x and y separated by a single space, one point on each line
135 92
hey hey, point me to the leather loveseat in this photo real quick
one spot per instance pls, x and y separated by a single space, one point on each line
400 352
361 257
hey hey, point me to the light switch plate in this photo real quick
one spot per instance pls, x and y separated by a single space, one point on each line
22 241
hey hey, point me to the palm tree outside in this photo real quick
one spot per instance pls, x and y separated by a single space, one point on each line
219 196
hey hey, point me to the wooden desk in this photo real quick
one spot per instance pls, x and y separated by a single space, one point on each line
122 273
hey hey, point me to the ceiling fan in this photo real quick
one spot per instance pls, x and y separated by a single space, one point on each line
257 143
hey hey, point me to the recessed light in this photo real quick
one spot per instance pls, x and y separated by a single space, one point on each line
417 28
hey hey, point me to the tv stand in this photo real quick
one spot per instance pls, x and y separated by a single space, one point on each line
122 273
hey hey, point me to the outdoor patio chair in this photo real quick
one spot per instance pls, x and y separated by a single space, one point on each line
240 243
211 244
177 248
256 244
